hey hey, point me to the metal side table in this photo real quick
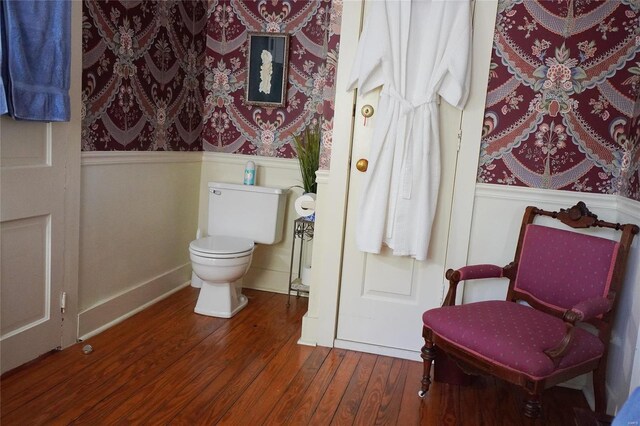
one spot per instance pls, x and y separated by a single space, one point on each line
302 231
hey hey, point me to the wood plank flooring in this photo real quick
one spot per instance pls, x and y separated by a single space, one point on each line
168 365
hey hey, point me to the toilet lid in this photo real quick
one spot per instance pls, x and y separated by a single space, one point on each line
222 245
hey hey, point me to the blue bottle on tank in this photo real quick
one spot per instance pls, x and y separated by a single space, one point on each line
250 173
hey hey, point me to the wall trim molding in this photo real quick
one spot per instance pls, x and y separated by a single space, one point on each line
90 158
605 201
270 162
322 177
116 309
507 192
97 158
629 207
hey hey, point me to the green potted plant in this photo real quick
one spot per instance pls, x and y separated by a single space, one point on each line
307 145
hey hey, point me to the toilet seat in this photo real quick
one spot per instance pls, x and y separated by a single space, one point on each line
222 247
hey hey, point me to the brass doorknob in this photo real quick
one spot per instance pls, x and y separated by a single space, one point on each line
367 111
362 165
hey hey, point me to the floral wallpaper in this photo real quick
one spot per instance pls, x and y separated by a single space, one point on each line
142 75
234 127
563 97
170 75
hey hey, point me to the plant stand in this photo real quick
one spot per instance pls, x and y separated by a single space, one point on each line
302 231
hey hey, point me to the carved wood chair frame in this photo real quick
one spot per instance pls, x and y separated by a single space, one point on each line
576 217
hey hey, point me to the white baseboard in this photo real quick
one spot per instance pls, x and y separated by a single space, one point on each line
267 280
110 312
309 325
378 350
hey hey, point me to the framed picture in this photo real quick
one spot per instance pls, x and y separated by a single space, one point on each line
268 60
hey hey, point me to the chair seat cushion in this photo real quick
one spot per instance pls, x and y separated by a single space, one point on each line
511 335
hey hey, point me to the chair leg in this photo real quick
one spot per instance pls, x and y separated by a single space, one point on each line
599 388
428 354
533 406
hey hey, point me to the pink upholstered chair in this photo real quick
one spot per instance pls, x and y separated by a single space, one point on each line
565 278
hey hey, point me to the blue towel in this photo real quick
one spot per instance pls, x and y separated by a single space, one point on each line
37 51
629 414
3 71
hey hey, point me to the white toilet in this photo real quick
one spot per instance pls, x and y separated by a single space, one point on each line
239 216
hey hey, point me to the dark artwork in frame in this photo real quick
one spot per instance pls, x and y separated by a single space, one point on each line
268 61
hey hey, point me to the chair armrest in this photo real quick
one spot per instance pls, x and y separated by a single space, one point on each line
583 311
471 272
588 309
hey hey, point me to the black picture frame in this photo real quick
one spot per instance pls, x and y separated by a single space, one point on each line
271 51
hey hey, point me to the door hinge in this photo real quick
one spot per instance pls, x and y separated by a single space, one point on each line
459 139
63 302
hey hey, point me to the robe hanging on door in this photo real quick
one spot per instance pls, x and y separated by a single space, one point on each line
416 50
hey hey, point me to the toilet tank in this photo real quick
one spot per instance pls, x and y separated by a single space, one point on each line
254 212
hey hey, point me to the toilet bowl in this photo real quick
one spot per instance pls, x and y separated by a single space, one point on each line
221 262
239 216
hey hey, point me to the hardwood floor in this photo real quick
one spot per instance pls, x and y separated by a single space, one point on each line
167 365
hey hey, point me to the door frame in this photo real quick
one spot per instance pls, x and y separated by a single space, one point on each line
320 323
71 255
464 187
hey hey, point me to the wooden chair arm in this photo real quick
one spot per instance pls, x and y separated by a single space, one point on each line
473 272
556 353
581 312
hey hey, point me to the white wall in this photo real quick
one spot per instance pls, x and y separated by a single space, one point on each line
270 264
623 374
496 220
139 212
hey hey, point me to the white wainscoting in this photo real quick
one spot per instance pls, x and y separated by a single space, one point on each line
496 221
131 301
139 212
269 269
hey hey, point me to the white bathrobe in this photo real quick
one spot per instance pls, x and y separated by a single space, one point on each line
416 50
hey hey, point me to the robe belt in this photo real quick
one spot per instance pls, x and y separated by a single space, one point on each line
407 106
406 111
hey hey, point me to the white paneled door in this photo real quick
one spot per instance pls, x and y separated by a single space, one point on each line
32 235
382 297
39 225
